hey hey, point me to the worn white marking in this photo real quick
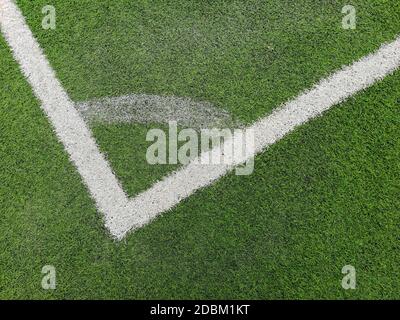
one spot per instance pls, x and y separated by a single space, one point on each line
145 108
123 215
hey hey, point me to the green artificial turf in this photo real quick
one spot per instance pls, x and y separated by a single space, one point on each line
247 57
323 197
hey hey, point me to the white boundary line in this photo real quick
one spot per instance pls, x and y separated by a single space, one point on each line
121 214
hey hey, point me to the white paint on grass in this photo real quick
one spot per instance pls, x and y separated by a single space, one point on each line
123 215
144 108
68 124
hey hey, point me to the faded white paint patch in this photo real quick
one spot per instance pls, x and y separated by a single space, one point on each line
144 108
122 215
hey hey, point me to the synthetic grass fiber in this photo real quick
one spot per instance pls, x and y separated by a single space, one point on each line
323 197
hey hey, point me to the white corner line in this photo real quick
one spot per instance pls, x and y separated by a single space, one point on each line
123 215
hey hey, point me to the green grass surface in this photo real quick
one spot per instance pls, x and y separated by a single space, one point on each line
125 146
323 197
247 57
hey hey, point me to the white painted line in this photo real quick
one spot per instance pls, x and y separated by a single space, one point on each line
122 215
69 126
